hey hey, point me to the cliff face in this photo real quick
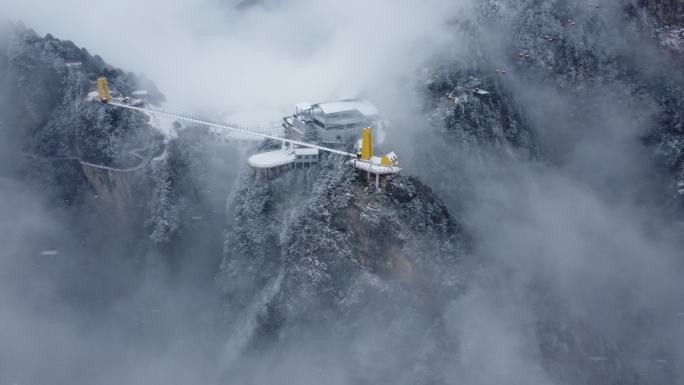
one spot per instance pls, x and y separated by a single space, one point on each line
315 250
667 11
559 72
606 68
112 186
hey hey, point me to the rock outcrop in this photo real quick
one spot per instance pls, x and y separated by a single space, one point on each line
318 248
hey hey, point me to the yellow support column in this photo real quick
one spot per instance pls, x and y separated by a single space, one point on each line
367 143
103 89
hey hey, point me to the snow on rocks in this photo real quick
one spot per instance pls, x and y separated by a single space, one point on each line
672 38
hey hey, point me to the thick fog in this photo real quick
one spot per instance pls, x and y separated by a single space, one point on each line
590 228
253 60
584 230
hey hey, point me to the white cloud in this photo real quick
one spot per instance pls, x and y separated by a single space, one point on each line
254 62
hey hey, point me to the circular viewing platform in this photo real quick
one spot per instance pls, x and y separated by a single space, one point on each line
278 160
272 159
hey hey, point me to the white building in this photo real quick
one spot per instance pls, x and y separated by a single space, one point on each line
334 122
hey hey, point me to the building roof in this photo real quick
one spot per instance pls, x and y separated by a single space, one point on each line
362 105
302 106
271 158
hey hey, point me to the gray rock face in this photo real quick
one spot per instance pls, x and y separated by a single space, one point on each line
570 68
318 250
593 94
667 11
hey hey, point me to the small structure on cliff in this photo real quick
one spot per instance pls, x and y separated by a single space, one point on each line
284 158
375 167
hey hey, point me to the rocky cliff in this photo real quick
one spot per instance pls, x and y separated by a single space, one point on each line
315 250
667 11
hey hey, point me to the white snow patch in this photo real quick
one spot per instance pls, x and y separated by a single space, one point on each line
363 106
672 37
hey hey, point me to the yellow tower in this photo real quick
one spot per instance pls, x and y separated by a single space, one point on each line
367 143
103 89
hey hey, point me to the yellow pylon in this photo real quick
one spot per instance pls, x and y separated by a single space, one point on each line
103 89
367 144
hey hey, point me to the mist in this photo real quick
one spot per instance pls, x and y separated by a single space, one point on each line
589 229
252 62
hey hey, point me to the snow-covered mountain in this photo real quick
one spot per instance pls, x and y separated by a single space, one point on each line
534 237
